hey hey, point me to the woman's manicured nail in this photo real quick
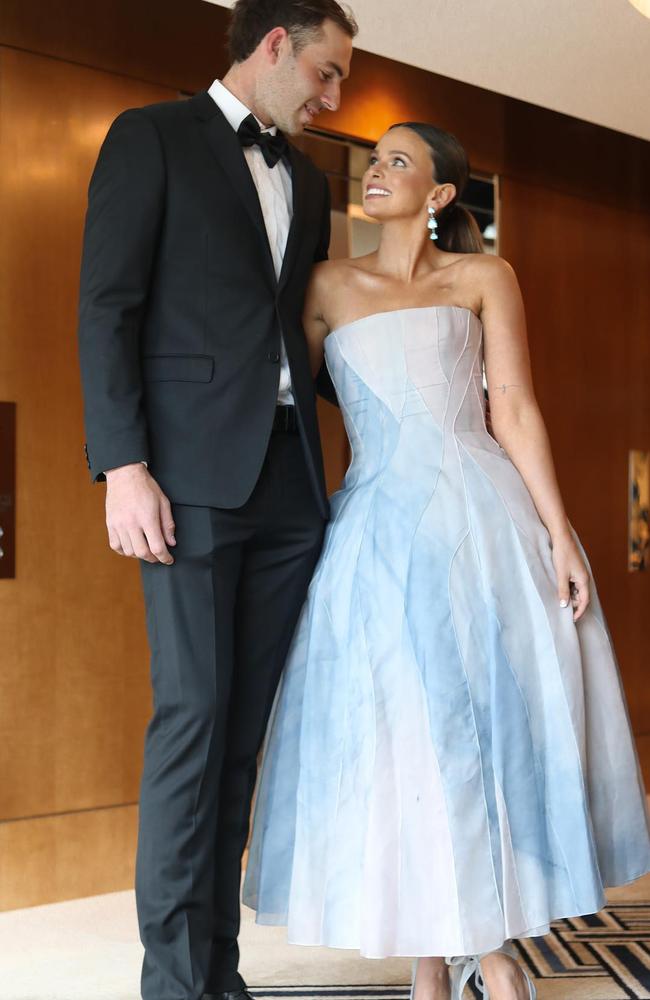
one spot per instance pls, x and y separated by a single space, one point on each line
564 604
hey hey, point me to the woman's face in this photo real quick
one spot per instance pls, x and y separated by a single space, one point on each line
399 180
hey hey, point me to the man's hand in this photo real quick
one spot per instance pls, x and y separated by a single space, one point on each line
138 515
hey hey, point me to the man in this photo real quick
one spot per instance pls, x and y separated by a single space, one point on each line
203 226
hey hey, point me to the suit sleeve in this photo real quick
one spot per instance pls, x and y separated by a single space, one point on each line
125 210
324 386
323 245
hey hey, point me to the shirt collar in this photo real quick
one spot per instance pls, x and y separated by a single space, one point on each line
233 109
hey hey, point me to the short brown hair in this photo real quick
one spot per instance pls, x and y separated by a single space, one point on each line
251 21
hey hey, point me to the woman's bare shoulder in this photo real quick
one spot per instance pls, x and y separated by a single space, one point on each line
344 265
334 286
339 273
489 266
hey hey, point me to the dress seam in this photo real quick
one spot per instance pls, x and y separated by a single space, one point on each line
470 535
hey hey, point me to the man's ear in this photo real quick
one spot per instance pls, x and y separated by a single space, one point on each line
274 42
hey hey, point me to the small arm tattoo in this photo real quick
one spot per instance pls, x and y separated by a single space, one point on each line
513 385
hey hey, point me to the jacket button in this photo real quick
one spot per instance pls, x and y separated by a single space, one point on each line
274 357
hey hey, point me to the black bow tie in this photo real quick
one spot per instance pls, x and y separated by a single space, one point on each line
273 147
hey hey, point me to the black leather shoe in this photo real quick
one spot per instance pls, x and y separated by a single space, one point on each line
234 995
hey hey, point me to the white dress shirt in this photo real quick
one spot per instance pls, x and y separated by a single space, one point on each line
275 192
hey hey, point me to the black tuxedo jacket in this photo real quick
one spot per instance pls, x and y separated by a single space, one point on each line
180 310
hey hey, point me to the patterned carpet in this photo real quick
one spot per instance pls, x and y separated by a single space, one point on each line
88 949
600 957
606 955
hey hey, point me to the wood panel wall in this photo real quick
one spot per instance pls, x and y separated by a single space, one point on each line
74 691
581 265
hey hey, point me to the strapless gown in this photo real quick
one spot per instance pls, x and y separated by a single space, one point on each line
449 761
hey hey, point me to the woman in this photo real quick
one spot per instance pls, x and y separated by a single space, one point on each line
450 764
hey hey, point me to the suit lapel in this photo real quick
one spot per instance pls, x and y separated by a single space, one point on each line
229 154
299 185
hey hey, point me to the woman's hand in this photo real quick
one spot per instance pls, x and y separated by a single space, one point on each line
572 575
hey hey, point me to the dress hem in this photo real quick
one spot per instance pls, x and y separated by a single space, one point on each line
280 920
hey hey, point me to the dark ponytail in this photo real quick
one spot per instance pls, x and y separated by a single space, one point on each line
458 230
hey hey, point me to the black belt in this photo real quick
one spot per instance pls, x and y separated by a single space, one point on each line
285 419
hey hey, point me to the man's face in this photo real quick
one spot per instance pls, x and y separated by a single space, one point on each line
296 88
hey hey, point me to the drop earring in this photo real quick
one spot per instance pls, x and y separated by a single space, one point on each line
432 224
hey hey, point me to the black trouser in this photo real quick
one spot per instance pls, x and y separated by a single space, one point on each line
220 621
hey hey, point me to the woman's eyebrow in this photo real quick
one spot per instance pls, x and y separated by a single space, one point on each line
400 152
394 152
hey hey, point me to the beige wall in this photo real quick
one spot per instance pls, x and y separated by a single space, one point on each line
587 58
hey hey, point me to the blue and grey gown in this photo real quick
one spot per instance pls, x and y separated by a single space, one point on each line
449 762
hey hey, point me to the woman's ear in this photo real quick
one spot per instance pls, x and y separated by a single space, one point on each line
442 196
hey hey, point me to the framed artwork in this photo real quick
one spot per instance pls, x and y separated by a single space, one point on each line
7 491
639 511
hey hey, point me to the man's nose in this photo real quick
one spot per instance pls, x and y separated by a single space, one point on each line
331 99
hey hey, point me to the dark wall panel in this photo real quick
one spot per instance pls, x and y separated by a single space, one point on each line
581 264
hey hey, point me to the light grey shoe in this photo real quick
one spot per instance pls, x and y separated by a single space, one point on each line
414 972
463 967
